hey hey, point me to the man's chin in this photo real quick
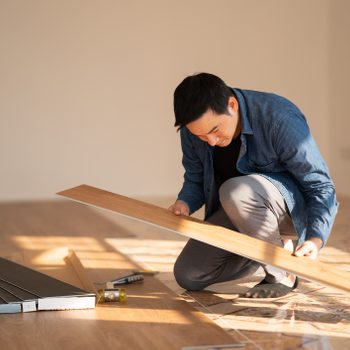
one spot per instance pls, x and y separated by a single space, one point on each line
224 143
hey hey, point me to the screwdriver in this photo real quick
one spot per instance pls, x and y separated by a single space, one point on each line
125 280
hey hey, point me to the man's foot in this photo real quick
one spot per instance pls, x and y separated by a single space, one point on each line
265 289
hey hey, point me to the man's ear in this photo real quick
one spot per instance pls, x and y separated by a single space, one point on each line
233 103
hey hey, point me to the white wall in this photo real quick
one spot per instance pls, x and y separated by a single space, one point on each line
86 86
340 94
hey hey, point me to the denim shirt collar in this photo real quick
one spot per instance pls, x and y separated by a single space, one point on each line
243 112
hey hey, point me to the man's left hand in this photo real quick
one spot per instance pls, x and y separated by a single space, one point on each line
309 248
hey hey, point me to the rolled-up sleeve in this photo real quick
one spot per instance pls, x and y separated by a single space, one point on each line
299 154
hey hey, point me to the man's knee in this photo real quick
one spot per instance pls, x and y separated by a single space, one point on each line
231 193
186 277
243 191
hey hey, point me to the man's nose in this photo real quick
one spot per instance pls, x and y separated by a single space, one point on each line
212 140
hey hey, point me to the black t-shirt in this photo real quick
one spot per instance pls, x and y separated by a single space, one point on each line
225 159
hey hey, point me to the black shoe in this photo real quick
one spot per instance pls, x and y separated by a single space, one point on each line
265 289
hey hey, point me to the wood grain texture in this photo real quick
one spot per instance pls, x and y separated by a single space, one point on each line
153 317
218 236
38 235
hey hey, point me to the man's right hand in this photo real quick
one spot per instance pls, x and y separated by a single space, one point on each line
180 208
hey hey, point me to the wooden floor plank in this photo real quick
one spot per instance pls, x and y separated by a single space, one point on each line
218 236
153 317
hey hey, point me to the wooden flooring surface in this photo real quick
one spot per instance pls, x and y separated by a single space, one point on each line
311 317
153 317
39 233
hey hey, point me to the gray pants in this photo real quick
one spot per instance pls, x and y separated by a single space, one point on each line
251 205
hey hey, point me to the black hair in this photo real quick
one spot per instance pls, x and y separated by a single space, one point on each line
198 93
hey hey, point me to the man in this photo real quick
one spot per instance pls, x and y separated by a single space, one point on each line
250 158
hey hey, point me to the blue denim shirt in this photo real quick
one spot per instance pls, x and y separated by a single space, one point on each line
277 144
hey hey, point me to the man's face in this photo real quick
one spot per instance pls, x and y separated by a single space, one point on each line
217 129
